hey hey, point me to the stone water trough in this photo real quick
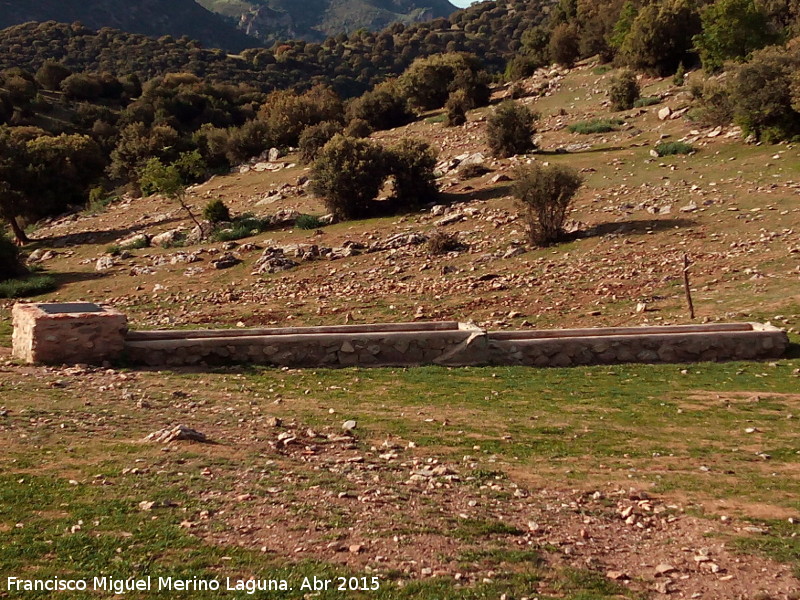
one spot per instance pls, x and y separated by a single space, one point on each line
88 333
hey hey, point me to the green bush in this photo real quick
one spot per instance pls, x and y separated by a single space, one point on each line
216 211
287 114
545 195
732 29
411 162
714 104
10 263
384 107
510 129
624 90
564 45
99 199
358 128
348 175
308 222
456 109
761 92
429 81
647 101
30 285
242 227
595 126
670 148
314 137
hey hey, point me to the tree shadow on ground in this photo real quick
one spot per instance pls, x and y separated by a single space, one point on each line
94 237
634 227
490 193
63 278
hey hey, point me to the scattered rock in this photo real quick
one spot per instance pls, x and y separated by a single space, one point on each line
349 425
177 433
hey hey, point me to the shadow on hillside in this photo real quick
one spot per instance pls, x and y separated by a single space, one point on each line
561 152
95 237
793 351
491 193
635 227
62 278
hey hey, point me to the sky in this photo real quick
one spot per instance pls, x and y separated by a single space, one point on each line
462 3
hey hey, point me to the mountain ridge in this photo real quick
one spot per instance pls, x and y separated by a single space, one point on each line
150 17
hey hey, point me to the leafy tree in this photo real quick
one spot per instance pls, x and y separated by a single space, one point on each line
384 107
624 90
348 174
564 45
660 37
137 143
456 109
545 195
216 211
621 29
315 137
732 29
510 129
12 171
761 93
428 82
82 86
51 74
10 264
157 178
286 114
411 162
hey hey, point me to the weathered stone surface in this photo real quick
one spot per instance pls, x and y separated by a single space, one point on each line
67 337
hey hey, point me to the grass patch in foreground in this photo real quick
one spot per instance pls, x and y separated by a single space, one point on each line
671 148
647 101
780 541
595 126
29 285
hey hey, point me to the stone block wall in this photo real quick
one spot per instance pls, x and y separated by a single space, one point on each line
450 344
80 336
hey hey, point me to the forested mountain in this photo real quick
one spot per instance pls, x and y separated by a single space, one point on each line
151 17
314 20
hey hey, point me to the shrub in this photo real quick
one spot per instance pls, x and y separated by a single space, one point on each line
286 113
761 93
51 74
99 199
30 285
670 148
243 226
564 45
715 106
315 137
660 36
10 264
624 90
82 86
595 126
429 81
680 76
308 222
520 67
411 162
216 211
732 29
348 174
247 141
358 128
472 170
456 109
510 129
382 108
545 195
442 242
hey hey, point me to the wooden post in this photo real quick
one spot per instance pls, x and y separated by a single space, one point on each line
686 287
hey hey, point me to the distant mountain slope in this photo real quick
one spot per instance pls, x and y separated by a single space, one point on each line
314 20
150 17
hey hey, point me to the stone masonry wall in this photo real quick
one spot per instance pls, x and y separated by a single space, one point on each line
78 337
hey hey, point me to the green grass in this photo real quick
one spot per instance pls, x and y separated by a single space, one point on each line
308 222
781 542
243 227
595 126
29 285
646 101
671 148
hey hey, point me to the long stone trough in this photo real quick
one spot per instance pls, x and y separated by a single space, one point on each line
66 333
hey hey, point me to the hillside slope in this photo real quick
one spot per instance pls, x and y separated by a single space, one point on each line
314 20
150 17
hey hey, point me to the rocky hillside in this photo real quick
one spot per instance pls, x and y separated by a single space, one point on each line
314 20
151 17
